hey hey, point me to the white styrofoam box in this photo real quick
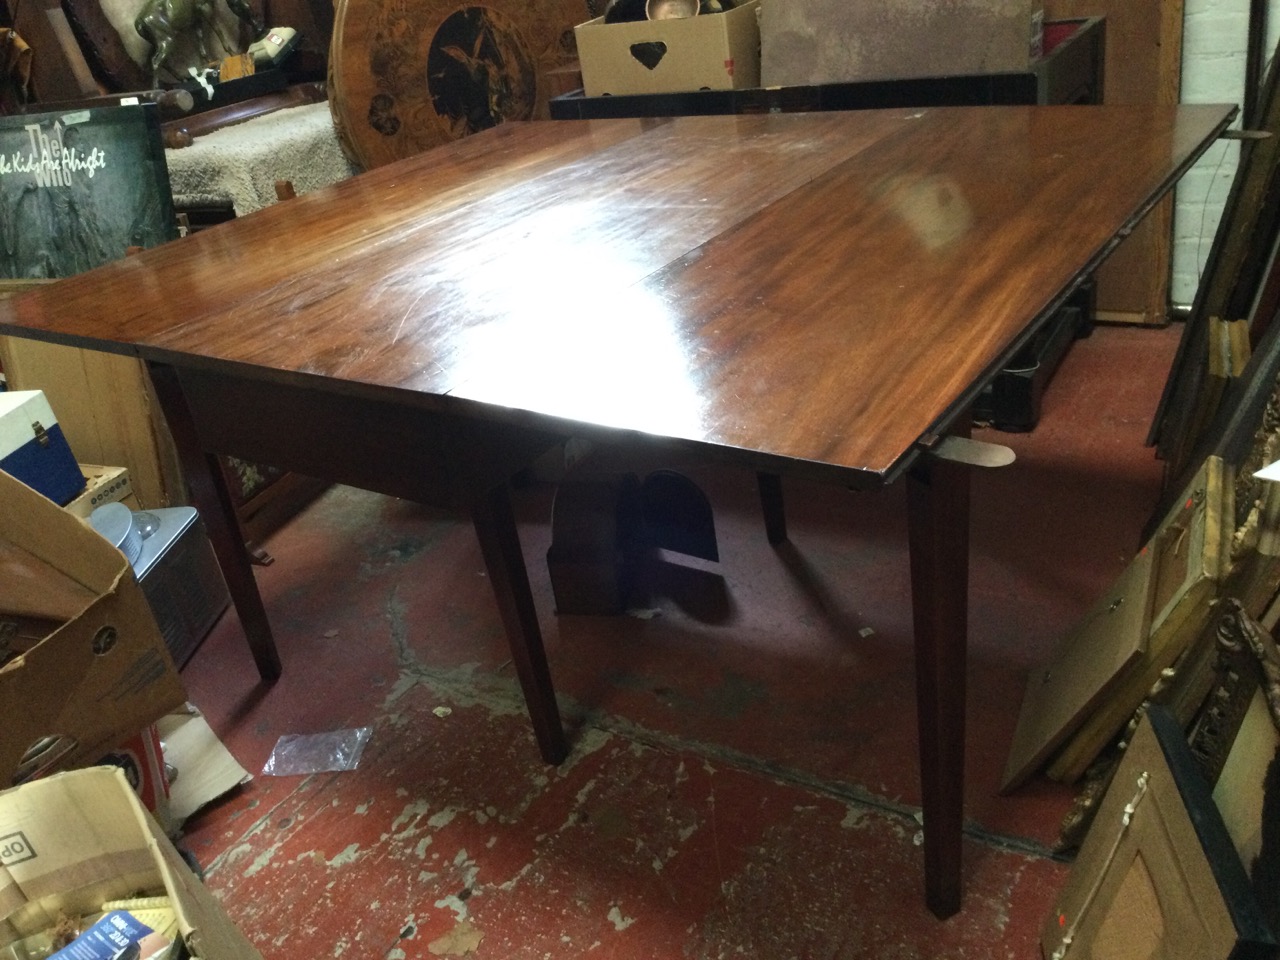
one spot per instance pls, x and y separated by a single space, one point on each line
33 448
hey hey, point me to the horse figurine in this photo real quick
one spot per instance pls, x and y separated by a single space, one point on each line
164 22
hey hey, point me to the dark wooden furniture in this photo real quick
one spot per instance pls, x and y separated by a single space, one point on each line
1143 66
1071 71
816 295
180 130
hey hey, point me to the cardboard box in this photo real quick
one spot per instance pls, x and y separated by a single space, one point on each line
712 51
103 485
809 42
206 770
73 841
87 667
141 759
33 449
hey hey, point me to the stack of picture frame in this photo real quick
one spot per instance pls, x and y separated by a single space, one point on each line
1184 636
1240 283
1164 701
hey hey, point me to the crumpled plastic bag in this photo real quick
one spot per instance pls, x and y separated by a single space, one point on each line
303 753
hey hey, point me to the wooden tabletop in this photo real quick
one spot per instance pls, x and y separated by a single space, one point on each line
821 289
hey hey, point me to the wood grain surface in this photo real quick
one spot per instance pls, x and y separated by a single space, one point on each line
814 289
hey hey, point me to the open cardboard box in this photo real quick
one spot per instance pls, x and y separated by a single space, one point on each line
84 665
711 51
72 841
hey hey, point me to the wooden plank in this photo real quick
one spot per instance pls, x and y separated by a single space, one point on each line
1143 65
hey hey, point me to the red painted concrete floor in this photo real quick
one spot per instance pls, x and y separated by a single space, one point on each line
743 775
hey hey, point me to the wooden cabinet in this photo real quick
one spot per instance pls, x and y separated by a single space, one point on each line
1143 64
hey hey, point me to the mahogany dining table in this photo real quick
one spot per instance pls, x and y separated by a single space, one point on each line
817 295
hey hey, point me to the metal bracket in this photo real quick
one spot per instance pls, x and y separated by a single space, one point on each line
974 453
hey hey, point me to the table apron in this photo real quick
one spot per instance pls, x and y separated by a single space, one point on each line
428 456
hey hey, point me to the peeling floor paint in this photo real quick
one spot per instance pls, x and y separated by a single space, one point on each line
619 922
657 815
442 819
463 940
261 860
853 818
347 856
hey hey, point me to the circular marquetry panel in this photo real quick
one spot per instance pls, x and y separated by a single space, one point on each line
405 76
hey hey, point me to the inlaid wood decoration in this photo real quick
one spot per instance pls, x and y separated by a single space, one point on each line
407 77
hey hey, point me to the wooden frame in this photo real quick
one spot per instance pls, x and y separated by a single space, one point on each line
1247 794
1089 689
1234 274
1232 685
1231 433
1236 742
1158 873
1084 670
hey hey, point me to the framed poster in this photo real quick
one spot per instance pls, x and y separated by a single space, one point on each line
79 188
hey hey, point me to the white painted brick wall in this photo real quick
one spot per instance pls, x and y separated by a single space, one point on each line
1213 60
